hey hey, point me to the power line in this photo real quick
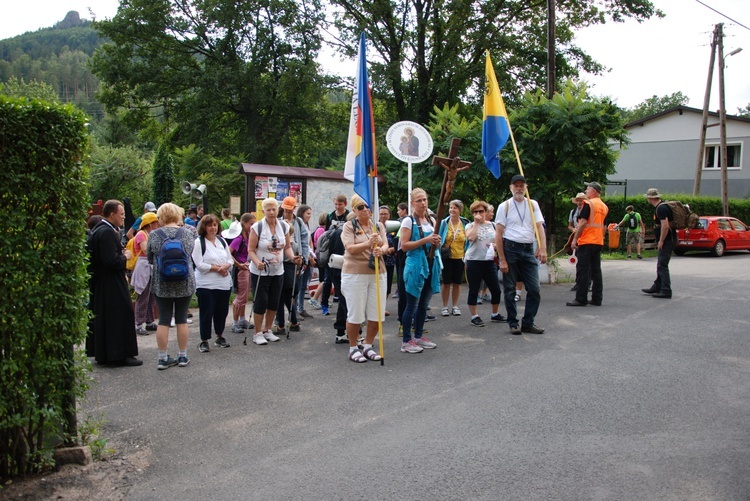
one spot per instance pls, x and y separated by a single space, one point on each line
723 15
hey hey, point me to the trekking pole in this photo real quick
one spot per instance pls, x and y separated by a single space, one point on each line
294 301
252 310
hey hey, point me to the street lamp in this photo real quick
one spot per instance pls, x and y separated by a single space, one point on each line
723 128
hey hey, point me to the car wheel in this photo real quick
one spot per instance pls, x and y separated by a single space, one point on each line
679 252
718 249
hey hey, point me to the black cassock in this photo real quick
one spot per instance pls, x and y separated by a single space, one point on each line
112 330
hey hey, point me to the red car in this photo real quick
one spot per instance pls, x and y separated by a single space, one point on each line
716 234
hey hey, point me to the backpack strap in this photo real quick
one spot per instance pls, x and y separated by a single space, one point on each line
203 243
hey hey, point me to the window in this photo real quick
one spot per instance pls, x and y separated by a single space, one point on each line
712 159
738 225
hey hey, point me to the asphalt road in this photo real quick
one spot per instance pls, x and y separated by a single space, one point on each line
640 398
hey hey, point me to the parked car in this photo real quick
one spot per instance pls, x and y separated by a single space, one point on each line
716 234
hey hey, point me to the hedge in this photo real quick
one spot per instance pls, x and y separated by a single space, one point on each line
43 271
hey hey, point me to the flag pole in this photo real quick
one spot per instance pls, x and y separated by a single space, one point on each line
528 197
373 180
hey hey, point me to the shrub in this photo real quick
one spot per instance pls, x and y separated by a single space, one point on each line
44 277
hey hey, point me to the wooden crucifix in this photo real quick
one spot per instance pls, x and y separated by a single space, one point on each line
452 165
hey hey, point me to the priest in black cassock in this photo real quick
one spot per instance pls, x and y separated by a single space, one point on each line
111 339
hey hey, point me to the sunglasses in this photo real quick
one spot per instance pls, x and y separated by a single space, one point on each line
362 207
478 211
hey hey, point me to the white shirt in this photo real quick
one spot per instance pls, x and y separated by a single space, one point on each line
217 254
481 249
518 222
274 258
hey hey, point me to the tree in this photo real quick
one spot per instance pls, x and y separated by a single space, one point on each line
744 112
15 87
432 52
119 172
227 76
654 105
563 142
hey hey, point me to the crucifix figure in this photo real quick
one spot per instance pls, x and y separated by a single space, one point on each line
452 165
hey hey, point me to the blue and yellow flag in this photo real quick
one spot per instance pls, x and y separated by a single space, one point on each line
495 128
361 159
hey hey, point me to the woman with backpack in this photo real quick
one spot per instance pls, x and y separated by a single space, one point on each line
364 241
172 281
213 280
141 277
238 248
421 277
269 241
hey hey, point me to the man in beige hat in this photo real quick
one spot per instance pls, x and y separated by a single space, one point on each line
667 240
574 213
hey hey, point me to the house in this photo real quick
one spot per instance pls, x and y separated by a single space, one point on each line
664 155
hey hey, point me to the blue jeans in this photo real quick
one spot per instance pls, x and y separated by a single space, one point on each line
522 267
415 312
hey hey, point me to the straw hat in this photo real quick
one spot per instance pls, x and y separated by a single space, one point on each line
580 196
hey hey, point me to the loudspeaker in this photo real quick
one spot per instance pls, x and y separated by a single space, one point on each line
187 187
199 191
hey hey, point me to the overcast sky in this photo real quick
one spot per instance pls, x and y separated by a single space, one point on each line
658 57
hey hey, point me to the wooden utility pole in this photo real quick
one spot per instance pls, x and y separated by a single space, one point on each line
706 99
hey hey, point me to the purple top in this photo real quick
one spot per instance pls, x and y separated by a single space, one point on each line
239 249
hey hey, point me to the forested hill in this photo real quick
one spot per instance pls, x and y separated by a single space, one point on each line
58 56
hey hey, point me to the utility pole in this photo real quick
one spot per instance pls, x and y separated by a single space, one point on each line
723 128
706 99
551 70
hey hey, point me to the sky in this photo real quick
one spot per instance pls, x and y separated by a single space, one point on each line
658 57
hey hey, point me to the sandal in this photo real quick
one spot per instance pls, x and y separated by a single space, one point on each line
371 354
356 356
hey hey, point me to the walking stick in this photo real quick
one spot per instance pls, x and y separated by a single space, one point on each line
294 302
257 283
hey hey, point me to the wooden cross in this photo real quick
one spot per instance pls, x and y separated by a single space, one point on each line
452 165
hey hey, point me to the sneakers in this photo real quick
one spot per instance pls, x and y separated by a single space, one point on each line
640 257
281 331
315 304
444 311
268 335
456 311
166 363
245 324
479 299
259 339
630 256
477 322
203 347
497 318
411 347
532 329
515 330
395 295
238 329
152 326
183 361
429 318
342 339
518 297
425 343
487 297
294 328
221 342
141 331
305 314
335 299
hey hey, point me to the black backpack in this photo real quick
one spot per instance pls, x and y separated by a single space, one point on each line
323 252
633 223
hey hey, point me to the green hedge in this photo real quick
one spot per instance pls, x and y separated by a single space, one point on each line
43 314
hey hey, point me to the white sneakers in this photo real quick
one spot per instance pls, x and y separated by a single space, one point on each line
264 337
456 311
444 311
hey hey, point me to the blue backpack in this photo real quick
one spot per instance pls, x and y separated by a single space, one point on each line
172 262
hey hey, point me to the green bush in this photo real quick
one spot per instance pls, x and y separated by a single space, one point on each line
43 272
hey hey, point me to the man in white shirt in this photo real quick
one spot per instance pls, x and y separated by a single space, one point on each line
514 240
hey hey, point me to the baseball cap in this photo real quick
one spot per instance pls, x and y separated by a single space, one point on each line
516 178
150 207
